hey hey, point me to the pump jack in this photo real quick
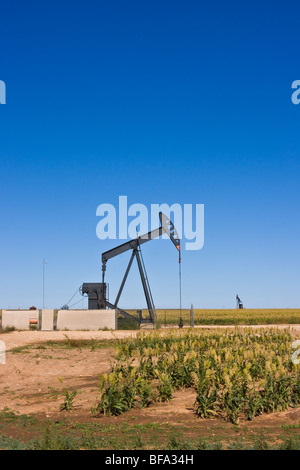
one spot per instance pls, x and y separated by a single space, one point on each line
239 303
97 291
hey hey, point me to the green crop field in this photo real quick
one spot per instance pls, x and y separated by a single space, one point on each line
228 317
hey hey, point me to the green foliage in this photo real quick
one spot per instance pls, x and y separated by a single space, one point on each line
234 372
69 398
165 389
53 440
68 403
290 443
205 404
145 392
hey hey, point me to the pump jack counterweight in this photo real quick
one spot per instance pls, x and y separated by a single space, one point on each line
97 291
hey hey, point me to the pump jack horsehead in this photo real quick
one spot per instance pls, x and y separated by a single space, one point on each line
96 292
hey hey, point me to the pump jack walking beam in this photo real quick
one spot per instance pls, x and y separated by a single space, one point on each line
166 227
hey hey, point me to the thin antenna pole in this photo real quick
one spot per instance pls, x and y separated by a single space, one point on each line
44 262
180 307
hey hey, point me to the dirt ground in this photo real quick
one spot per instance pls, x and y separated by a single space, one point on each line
33 380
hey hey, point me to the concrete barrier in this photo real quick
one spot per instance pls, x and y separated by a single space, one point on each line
87 319
20 319
47 321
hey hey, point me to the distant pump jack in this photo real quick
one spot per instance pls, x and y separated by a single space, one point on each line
239 303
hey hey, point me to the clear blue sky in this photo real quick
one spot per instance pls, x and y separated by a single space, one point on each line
165 102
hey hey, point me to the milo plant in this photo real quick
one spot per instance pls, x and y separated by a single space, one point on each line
68 403
206 403
254 405
278 393
233 405
145 392
129 392
118 393
165 389
111 401
69 397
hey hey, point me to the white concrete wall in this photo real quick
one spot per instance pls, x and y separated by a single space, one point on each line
47 319
66 319
18 319
87 319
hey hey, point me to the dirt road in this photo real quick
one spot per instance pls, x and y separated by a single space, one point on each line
22 338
